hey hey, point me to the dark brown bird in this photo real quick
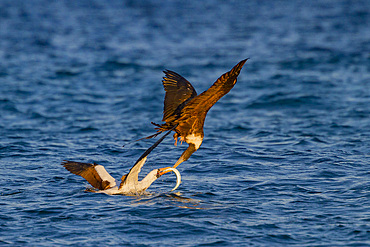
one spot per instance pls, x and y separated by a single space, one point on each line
184 108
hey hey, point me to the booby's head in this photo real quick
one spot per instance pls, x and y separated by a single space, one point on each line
154 175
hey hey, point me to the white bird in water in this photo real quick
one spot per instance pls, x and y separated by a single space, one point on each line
101 180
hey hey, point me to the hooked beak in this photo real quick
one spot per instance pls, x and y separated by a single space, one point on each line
162 171
165 170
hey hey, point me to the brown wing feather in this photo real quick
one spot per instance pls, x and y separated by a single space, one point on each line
178 92
87 171
193 113
203 102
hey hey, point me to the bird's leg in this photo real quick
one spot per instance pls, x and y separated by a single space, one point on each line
185 155
175 136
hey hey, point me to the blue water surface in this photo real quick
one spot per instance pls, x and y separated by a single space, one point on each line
286 155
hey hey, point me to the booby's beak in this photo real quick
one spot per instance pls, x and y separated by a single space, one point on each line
165 170
162 171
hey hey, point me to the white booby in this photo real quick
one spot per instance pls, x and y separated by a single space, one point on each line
101 180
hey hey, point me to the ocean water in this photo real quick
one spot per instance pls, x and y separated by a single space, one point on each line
286 155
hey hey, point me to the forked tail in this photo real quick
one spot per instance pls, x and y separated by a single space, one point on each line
159 131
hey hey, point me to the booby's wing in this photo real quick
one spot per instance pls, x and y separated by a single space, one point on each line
132 177
178 92
95 174
202 103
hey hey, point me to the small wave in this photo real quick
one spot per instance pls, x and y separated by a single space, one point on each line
279 100
330 174
11 193
63 73
88 129
112 65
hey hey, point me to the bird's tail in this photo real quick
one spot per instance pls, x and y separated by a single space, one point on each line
160 129
148 137
164 127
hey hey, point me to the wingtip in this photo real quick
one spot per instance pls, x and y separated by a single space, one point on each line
67 163
167 71
242 62
239 66
64 162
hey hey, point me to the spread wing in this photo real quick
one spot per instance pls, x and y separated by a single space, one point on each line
201 104
133 176
178 92
95 174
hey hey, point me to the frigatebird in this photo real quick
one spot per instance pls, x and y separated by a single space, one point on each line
185 111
